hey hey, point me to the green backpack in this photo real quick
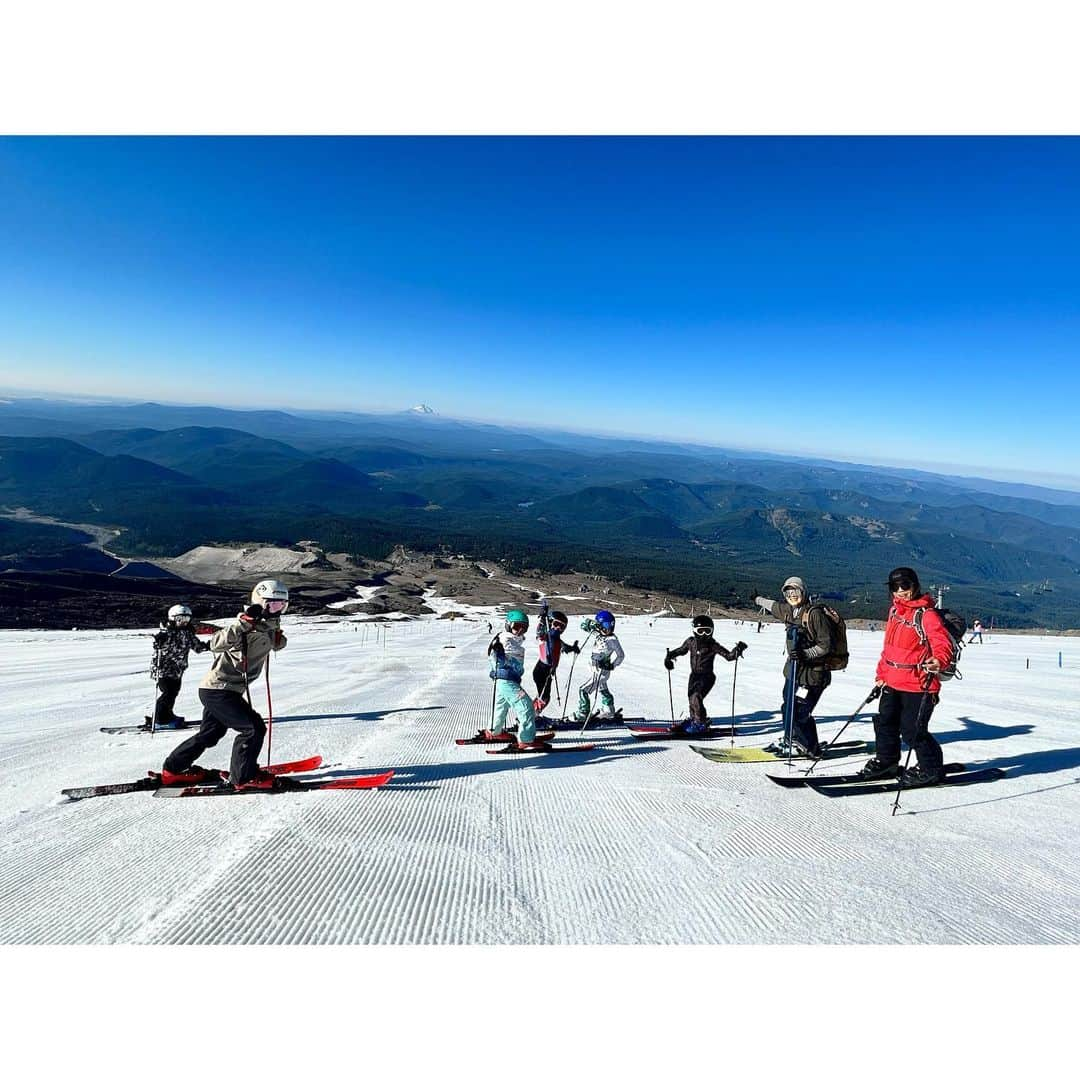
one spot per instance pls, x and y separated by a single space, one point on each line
837 658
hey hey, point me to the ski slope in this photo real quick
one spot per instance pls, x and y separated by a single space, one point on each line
633 842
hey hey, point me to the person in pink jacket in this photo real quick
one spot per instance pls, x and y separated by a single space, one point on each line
917 646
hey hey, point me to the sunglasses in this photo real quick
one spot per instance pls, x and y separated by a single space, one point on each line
275 607
793 590
895 586
703 631
518 628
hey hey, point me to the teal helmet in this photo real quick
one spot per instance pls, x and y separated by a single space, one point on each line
516 617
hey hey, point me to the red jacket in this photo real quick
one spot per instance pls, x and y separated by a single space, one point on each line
904 649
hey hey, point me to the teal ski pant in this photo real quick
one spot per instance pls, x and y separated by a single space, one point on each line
509 697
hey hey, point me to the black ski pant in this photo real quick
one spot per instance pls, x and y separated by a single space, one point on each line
801 726
906 713
698 687
163 707
543 676
222 710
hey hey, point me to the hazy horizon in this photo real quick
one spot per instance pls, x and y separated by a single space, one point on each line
1049 481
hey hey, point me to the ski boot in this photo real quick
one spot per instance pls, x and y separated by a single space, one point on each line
875 769
268 781
921 776
194 774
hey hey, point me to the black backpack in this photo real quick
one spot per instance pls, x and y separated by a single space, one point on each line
956 626
837 657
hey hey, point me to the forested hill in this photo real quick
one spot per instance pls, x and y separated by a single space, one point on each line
701 521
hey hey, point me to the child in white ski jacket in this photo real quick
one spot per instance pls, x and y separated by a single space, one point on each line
605 656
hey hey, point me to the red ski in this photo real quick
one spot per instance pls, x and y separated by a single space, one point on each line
152 780
342 783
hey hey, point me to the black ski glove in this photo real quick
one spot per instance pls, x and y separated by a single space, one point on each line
250 616
669 663
740 648
575 648
496 647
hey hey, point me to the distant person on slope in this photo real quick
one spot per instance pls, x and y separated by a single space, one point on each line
607 654
917 647
703 649
240 652
976 632
810 639
172 643
549 632
507 657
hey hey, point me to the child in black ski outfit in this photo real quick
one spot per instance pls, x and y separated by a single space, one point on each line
703 651
172 643
549 633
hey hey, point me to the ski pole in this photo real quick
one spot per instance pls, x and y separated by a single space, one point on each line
596 695
734 677
269 714
875 693
555 678
792 688
570 677
671 699
911 745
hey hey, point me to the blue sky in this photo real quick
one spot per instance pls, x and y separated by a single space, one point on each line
883 299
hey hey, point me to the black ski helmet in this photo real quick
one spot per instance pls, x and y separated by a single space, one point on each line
903 577
559 619
703 622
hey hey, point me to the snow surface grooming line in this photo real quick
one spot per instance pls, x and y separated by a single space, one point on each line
635 842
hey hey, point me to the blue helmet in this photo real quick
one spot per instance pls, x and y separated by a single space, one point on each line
606 621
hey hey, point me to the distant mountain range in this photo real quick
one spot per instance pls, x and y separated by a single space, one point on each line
706 522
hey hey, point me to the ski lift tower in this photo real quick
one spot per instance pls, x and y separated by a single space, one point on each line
941 591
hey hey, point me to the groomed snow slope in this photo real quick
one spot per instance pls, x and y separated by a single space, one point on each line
631 843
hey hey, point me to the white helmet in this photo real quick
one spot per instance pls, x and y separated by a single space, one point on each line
273 596
179 611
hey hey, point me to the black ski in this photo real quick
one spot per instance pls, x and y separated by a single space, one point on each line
569 748
841 779
144 728
665 732
975 776
594 721
480 739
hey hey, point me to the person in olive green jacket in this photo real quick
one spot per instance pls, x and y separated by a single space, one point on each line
810 639
240 653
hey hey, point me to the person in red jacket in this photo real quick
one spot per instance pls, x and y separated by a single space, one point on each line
917 646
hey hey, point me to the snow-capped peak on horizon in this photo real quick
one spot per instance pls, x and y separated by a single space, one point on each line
422 410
